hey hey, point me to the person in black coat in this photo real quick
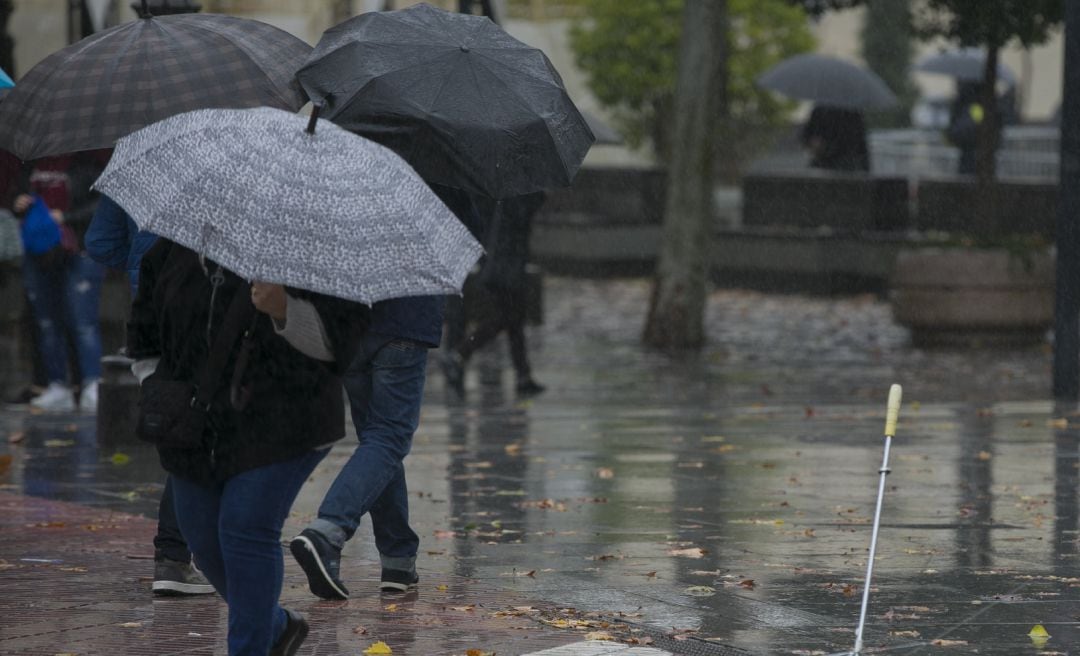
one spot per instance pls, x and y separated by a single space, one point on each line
268 426
836 138
496 297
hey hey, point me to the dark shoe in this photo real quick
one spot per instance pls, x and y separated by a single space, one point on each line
174 578
25 395
453 366
321 561
398 580
296 630
529 387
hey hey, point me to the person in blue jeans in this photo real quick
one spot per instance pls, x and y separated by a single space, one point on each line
385 386
269 424
115 241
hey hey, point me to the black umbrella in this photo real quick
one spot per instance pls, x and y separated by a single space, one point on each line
466 104
828 81
91 93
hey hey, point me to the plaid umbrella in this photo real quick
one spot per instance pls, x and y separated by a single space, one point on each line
325 211
461 100
93 92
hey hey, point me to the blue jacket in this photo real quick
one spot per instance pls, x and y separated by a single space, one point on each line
114 240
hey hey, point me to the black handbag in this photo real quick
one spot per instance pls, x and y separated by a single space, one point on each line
173 413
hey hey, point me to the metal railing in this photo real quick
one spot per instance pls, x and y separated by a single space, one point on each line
1027 152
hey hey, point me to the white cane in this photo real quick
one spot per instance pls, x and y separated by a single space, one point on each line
891 412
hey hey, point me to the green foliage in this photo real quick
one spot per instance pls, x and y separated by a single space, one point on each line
629 50
989 24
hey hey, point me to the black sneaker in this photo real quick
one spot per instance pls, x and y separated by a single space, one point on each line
529 387
296 630
321 561
173 578
398 580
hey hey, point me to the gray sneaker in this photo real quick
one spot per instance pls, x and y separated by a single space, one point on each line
173 578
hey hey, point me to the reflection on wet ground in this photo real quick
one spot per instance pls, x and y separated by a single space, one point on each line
726 496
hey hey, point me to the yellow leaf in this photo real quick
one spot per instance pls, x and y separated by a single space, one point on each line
442 587
51 444
700 591
390 607
599 635
379 647
1038 635
130 625
479 652
120 458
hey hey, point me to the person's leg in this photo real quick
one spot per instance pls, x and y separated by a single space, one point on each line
44 290
385 393
254 506
234 531
82 295
174 573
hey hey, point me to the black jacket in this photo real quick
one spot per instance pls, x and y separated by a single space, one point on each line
296 401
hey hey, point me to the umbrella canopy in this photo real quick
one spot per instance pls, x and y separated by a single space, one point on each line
828 81
5 80
91 93
966 64
462 101
326 211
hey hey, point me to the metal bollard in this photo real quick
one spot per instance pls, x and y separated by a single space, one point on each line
118 401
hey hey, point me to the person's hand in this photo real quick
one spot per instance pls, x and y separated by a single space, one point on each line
269 298
22 202
57 216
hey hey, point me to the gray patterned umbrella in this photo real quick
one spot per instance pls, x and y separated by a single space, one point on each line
326 211
112 83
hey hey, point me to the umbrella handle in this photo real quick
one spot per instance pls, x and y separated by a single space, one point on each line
314 116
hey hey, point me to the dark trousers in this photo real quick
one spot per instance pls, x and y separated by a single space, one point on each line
169 544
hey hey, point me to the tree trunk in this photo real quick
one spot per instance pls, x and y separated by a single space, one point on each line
990 128
677 308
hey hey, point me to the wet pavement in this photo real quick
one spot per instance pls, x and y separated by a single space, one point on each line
715 504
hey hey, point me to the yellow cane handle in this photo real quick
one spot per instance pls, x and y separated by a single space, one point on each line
892 410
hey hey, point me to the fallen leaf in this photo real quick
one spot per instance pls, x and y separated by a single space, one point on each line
949 643
599 635
747 583
478 652
984 456
390 607
379 647
464 609
700 591
605 472
120 458
16 437
360 630
55 444
130 625
692 552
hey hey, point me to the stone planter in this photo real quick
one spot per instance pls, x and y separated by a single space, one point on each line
973 296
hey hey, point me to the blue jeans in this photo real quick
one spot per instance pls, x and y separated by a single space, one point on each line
234 532
385 391
64 299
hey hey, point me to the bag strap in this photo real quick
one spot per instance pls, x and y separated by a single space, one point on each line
240 313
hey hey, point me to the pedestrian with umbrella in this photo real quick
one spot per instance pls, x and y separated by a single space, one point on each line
89 94
325 222
835 134
470 108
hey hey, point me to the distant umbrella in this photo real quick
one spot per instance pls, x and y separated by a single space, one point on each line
326 211
968 65
828 81
5 80
91 93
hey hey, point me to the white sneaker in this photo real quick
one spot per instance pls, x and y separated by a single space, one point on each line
57 397
89 397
